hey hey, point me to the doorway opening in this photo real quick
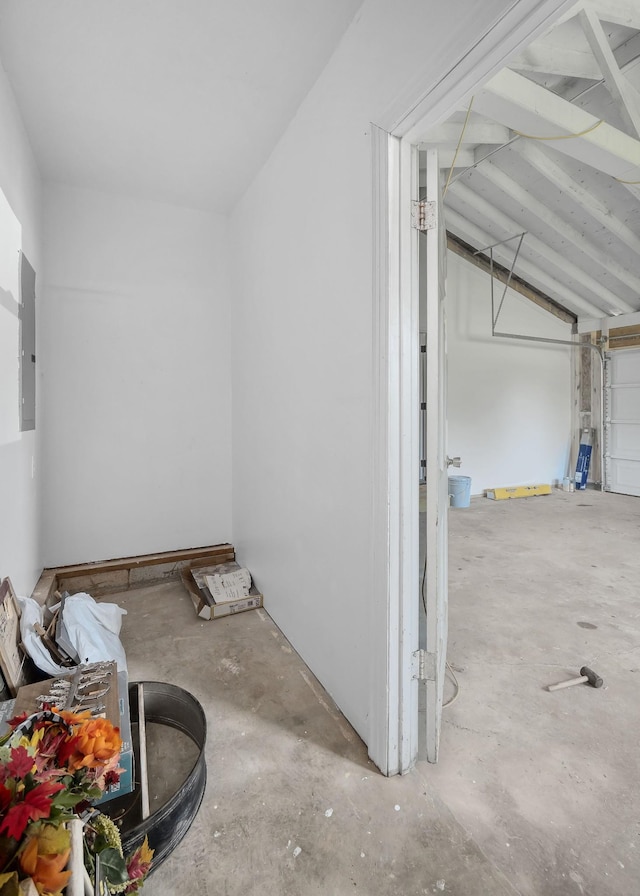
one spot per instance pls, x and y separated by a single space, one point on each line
531 199
516 412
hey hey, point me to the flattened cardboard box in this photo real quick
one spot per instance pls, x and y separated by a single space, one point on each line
11 659
194 580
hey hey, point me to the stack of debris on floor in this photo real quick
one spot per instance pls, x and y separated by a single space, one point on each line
61 626
74 629
76 642
60 651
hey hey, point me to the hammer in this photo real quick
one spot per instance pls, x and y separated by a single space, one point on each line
586 674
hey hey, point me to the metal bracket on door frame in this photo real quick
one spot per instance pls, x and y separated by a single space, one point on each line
423 666
423 215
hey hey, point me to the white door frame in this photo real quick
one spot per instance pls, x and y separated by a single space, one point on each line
393 740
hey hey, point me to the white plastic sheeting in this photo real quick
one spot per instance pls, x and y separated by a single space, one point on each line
93 630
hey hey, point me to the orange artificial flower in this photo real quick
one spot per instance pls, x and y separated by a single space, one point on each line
93 743
45 855
73 718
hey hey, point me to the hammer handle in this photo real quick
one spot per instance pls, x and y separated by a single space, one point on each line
567 684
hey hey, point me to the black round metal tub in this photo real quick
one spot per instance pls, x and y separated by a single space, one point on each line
164 704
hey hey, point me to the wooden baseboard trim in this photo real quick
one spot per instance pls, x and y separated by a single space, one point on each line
104 576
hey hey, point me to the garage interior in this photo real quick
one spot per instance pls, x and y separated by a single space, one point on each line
542 251
534 792
559 214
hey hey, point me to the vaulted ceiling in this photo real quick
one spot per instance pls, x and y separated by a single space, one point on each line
157 99
550 147
174 100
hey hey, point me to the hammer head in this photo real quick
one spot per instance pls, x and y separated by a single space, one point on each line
594 680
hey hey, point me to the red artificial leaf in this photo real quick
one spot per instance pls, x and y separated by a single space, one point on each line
17 720
20 763
48 748
40 794
16 820
36 804
66 749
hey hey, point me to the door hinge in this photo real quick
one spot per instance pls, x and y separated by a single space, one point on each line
423 215
424 666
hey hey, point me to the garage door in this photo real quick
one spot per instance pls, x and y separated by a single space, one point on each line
622 422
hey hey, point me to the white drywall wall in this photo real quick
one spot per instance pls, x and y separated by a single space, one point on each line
509 403
137 377
302 358
20 229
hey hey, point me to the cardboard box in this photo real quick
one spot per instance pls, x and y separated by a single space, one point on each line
11 658
127 781
206 607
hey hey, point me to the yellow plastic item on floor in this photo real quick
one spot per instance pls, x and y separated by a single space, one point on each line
518 491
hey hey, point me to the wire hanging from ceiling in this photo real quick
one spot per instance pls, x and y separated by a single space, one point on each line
455 155
561 136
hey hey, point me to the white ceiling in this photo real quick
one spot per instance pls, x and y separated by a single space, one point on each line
183 100
177 100
582 223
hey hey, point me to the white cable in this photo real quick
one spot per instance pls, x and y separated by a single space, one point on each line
456 694
448 667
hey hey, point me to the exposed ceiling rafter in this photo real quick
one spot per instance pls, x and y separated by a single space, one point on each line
477 236
447 155
542 161
548 60
628 54
475 132
569 14
532 110
623 93
557 225
618 12
505 276
547 56
556 153
484 208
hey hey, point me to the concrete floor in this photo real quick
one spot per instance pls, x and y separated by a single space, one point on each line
547 784
535 793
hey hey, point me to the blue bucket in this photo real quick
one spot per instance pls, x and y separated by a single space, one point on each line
460 491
